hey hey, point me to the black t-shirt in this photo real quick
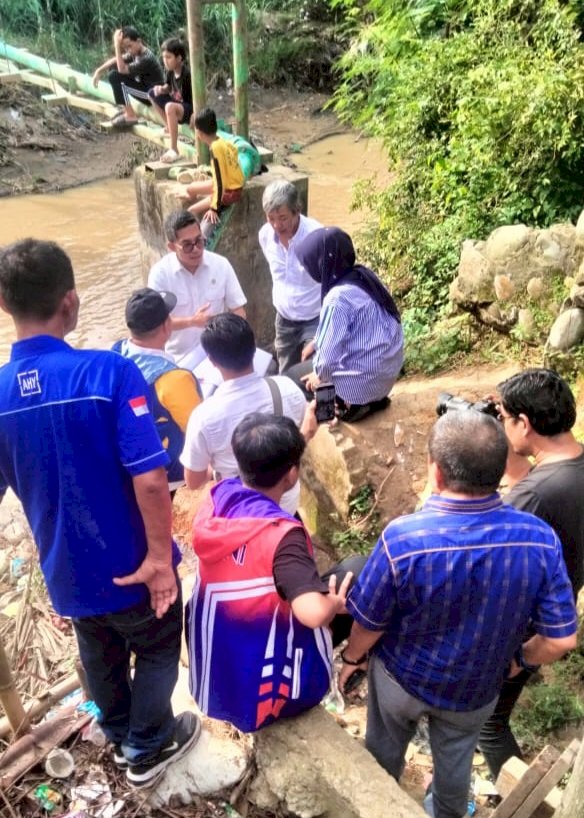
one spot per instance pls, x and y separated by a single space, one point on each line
294 569
180 88
146 69
555 493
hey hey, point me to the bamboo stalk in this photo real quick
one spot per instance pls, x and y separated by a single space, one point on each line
16 716
43 703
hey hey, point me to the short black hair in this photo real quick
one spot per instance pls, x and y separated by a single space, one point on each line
176 47
543 397
178 220
470 449
228 340
130 33
34 278
266 447
206 121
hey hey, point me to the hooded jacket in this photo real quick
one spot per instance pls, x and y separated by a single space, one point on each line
251 661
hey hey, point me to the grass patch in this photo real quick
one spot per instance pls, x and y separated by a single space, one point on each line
362 529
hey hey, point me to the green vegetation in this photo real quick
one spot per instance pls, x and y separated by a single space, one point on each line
81 33
362 530
480 104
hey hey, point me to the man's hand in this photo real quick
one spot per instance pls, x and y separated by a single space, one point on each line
200 318
310 381
96 77
118 37
211 216
347 671
159 578
309 425
308 351
159 89
339 598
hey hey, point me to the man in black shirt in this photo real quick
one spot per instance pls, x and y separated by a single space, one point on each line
133 70
538 411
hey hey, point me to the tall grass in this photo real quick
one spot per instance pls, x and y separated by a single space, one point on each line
80 32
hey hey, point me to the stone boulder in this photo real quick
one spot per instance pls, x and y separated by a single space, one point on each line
567 330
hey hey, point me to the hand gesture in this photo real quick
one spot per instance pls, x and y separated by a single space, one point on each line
118 37
159 578
339 597
96 77
200 318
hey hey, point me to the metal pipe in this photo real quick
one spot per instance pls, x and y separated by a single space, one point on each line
197 60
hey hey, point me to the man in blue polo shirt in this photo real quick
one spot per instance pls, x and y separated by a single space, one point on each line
80 449
445 600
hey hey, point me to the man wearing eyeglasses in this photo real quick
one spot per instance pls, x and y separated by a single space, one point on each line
538 412
204 284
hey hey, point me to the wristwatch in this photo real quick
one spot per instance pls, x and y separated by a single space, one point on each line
519 660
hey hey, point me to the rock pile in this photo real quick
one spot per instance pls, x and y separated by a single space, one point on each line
527 282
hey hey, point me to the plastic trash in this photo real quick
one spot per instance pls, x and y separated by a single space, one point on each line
59 763
94 734
48 798
18 567
333 702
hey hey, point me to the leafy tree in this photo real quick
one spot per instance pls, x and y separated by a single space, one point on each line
480 104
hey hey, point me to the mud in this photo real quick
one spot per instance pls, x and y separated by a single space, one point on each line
44 149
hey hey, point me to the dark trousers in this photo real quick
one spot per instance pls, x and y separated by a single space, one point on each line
135 713
496 741
341 624
119 82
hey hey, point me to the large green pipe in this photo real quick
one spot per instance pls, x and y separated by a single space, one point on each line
240 68
76 81
72 80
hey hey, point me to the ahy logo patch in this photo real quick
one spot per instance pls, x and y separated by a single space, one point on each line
29 383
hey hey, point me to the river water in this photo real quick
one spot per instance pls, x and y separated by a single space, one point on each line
97 226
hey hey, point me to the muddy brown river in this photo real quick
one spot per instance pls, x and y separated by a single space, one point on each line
97 226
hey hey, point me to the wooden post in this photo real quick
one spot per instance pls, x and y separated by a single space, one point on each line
240 68
10 699
197 60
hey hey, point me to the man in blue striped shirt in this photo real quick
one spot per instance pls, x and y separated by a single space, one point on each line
445 600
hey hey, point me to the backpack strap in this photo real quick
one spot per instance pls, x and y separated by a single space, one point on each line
276 396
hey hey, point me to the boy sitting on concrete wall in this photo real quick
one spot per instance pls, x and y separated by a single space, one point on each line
173 101
224 187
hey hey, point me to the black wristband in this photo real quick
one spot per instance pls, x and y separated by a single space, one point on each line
520 661
351 661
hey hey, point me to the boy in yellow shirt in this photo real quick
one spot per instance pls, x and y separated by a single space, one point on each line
224 188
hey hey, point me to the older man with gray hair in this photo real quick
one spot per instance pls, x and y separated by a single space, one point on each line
295 294
444 603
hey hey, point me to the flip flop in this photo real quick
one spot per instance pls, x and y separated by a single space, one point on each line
120 121
169 157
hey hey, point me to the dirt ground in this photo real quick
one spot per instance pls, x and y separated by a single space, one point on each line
44 149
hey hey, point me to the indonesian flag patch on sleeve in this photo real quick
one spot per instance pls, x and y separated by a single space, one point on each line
139 406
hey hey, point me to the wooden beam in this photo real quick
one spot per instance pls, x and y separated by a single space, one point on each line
511 772
55 99
535 772
10 77
45 701
556 772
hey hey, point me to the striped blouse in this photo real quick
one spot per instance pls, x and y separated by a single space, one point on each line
359 346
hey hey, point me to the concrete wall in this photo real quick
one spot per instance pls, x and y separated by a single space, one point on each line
156 198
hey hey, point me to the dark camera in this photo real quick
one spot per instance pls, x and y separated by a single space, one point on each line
451 403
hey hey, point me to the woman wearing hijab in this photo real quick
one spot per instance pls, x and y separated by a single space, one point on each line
359 341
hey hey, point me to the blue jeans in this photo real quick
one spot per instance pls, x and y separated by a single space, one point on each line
392 716
135 713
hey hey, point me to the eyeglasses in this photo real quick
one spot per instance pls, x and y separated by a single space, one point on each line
187 246
503 417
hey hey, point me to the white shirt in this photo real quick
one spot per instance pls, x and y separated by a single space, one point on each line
211 425
295 294
214 282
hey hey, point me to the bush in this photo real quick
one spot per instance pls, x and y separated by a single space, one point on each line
480 105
